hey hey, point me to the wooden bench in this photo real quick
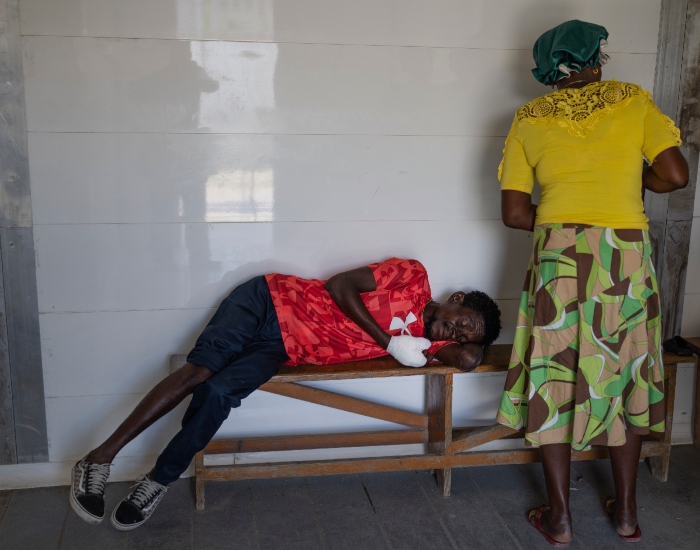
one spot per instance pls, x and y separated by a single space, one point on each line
446 446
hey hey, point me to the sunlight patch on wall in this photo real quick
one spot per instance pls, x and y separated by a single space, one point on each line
240 196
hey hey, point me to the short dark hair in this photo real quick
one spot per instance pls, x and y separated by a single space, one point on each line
485 305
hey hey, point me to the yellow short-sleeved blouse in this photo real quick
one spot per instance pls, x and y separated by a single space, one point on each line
585 148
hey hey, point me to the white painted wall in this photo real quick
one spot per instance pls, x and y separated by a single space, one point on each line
178 147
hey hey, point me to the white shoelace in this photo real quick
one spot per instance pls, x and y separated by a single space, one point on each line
144 491
96 475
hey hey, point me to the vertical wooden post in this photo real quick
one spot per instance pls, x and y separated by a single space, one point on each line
198 483
696 423
22 343
439 388
675 92
659 464
695 344
8 452
666 96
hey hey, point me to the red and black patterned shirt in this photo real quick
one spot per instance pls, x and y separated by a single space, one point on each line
315 330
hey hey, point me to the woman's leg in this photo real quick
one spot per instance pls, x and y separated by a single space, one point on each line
625 460
163 398
556 461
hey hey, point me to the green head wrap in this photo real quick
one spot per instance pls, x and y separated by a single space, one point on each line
568 47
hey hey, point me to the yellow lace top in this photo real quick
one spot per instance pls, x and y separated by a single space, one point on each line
585 148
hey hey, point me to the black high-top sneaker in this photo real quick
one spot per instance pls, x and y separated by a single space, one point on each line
87 494
136 508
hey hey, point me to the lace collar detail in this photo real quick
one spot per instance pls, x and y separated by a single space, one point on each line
578 110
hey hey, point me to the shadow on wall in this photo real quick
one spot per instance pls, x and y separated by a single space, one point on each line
168 83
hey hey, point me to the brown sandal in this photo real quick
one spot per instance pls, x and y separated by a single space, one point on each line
634 537
534 518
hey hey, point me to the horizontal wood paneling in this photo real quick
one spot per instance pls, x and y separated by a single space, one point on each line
119 85
499 24
85 268
171 178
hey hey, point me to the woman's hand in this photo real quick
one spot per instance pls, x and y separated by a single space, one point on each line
668 172
517 210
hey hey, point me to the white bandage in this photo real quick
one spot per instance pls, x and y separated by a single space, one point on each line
408 350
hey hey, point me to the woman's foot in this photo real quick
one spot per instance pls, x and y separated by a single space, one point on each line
556 530
625 520
559 528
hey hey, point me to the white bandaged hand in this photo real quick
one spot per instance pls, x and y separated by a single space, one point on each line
408 350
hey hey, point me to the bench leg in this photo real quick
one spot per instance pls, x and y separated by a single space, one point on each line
439 388
444 480
659 465
696 424
199 490
198 484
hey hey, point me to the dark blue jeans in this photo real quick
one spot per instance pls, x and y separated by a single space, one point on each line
242 345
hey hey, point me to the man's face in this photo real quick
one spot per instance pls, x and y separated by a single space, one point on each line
454 322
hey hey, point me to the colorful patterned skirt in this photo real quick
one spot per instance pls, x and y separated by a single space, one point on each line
586 363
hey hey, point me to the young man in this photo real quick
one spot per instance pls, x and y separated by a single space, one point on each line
384 308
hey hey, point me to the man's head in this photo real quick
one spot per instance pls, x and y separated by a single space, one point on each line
465 318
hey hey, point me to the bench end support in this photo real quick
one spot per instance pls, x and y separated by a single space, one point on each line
444 480
199 484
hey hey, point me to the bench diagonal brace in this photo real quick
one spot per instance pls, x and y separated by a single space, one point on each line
345 403
474 438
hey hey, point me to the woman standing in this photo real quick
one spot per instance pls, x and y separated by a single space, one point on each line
586 365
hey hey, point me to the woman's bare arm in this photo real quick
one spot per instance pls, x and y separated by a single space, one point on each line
517 210
668 172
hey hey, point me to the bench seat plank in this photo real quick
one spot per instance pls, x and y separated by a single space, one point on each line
496 358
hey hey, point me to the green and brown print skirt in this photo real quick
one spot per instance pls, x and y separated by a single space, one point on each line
586 362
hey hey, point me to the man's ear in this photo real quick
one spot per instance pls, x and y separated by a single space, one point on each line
457 297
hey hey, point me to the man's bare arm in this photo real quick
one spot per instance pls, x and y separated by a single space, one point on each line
465 357
345 288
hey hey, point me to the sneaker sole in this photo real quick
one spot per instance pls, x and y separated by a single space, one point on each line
121 526
77 508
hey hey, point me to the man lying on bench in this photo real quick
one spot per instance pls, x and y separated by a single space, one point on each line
384 308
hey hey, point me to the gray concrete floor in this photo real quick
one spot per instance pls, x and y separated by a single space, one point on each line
389 511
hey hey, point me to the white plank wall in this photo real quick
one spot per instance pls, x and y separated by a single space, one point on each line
179 147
